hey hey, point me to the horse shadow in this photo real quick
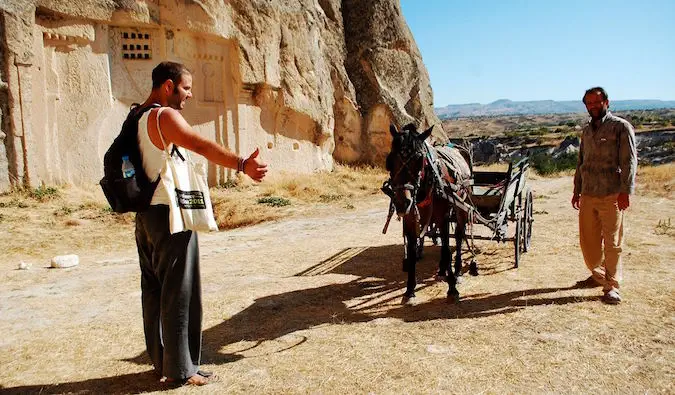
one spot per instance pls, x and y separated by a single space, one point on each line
374 293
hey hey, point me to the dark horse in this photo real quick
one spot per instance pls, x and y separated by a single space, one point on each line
421 185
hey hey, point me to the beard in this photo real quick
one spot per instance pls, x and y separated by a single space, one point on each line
597 115
175 102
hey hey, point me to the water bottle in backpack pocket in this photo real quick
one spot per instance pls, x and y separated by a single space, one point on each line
128 169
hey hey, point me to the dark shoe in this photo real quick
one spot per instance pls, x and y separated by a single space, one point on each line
590 282
611 297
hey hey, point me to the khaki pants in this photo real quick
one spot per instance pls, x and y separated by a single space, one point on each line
601 223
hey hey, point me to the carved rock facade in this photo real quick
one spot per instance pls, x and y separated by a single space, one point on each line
307 81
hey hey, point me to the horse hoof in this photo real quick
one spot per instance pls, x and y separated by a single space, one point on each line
473 269
453 297
409 300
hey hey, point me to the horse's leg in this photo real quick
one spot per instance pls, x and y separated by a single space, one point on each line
420 247
460 234
453 294
444 263
425 220
411 258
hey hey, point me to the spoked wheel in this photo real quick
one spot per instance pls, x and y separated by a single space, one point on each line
528 219
517 239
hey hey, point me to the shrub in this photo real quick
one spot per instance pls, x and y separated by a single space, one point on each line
274 201
44 193
545 164
327 198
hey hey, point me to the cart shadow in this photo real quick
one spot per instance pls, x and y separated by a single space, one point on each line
490 260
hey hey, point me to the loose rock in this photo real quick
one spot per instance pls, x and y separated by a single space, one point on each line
64 261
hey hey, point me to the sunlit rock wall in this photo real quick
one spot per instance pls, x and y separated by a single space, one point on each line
307 81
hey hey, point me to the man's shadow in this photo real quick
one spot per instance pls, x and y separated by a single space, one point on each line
270 324
133 383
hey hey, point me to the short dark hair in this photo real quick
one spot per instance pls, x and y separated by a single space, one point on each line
595 89
168 71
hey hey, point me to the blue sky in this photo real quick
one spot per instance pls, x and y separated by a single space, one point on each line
479 51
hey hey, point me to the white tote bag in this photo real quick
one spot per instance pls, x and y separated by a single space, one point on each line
190 207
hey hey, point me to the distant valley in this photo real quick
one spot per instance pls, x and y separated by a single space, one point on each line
508 107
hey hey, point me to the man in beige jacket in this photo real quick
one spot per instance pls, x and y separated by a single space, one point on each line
603 183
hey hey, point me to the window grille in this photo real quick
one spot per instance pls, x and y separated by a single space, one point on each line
136 45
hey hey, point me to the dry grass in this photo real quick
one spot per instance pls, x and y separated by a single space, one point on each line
656 180
45 222
344 184
41 223
38 225
288 194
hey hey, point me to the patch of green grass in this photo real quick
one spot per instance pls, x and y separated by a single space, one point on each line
274 201
65 210
44 193
330 198
538 132
90 206
14 203
514 133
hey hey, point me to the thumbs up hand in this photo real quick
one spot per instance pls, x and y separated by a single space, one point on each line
254 167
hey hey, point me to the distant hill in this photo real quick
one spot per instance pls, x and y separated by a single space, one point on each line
508 107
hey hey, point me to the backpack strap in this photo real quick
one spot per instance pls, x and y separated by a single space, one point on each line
175 148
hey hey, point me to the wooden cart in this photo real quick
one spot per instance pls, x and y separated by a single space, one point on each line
496 199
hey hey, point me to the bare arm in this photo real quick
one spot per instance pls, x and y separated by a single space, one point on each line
176 130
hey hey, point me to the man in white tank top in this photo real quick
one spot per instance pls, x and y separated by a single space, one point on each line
170 280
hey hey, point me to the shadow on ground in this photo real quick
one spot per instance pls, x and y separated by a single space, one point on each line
375 293
134 383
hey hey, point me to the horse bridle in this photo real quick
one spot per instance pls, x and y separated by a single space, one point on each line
390 188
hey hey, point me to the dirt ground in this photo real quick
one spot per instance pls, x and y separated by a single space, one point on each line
311 304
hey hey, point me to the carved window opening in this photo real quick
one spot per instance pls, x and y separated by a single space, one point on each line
136 45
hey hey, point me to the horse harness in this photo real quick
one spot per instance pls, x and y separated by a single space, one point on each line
440 178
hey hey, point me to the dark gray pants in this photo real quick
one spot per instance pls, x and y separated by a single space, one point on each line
171 294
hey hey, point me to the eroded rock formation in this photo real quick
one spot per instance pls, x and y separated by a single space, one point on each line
307 81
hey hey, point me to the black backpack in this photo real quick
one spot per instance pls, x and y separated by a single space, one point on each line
135 192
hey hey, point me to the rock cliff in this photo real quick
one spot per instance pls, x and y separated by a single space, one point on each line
309 81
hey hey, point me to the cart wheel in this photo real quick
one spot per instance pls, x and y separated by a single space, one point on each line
528 219
516 240
523 231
